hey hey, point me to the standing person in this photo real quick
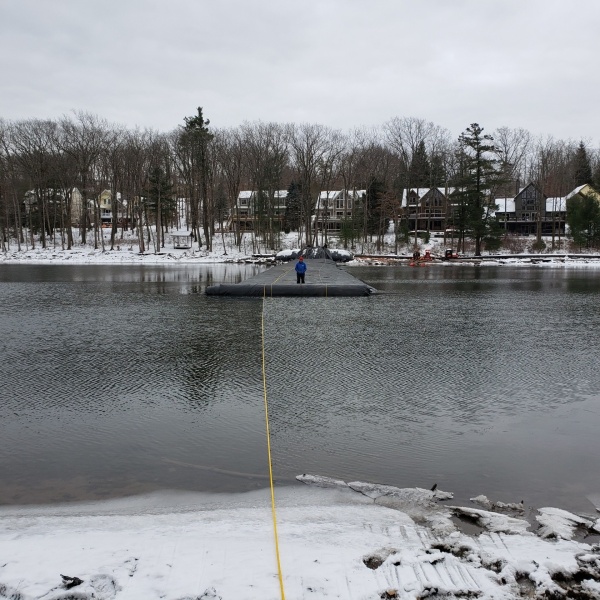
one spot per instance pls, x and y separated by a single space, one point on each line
300 270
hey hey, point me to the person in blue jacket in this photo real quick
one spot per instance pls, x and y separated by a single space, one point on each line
300 270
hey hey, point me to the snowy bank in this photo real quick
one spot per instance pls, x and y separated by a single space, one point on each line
89 256
126 251
172 256
334 543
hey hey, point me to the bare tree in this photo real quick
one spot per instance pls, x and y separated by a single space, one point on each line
514 147
86 136
266 150
329 174
404 136
367 162
309 144
229 155
32 141
137 159
9 188
552 176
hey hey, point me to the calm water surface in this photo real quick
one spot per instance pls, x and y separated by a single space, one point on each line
123 379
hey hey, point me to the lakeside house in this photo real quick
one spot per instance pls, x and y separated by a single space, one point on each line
427 209
520 214
105 206
252 207
424 209
55 200
433 209
333 208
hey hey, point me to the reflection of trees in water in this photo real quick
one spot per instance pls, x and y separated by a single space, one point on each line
217 352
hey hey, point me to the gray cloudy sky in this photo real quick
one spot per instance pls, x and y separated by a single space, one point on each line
342 63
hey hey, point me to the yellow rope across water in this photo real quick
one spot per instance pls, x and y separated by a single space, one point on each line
273 510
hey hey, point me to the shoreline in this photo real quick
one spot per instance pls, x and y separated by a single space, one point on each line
336 540
89 256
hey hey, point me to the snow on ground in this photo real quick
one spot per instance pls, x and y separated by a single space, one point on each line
334 543
126 251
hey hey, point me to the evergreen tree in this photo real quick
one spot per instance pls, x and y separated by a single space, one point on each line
480 176
160 190
420 167
293 202
596 176
582 168
196 137
438 171
583 218
374 221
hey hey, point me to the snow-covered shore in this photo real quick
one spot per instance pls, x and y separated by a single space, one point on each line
126 251
171 256
354 541
90 256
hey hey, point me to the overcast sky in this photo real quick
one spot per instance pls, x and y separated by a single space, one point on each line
341 63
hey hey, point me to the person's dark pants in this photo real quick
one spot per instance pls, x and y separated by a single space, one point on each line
300 277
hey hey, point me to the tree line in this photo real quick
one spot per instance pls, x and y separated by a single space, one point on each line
194 174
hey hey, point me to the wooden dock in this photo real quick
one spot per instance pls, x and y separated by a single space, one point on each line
323 278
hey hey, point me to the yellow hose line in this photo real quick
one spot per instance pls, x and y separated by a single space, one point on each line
273 510
284 272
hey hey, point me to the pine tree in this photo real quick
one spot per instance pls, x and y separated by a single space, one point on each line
375 191
582 168
437 170
479 178
292 207
196 137
583 218
420 167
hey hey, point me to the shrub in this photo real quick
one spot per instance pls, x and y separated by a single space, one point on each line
538 246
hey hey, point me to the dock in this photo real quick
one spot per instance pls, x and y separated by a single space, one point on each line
323 278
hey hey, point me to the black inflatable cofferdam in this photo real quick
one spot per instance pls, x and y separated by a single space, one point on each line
323 279
253 289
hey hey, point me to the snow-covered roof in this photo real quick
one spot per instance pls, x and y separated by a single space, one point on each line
250 193
357 193
556 204
505 204
423 191
508 205
329 194
575 191
51 191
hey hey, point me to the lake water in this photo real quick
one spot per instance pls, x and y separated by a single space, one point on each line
116 380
